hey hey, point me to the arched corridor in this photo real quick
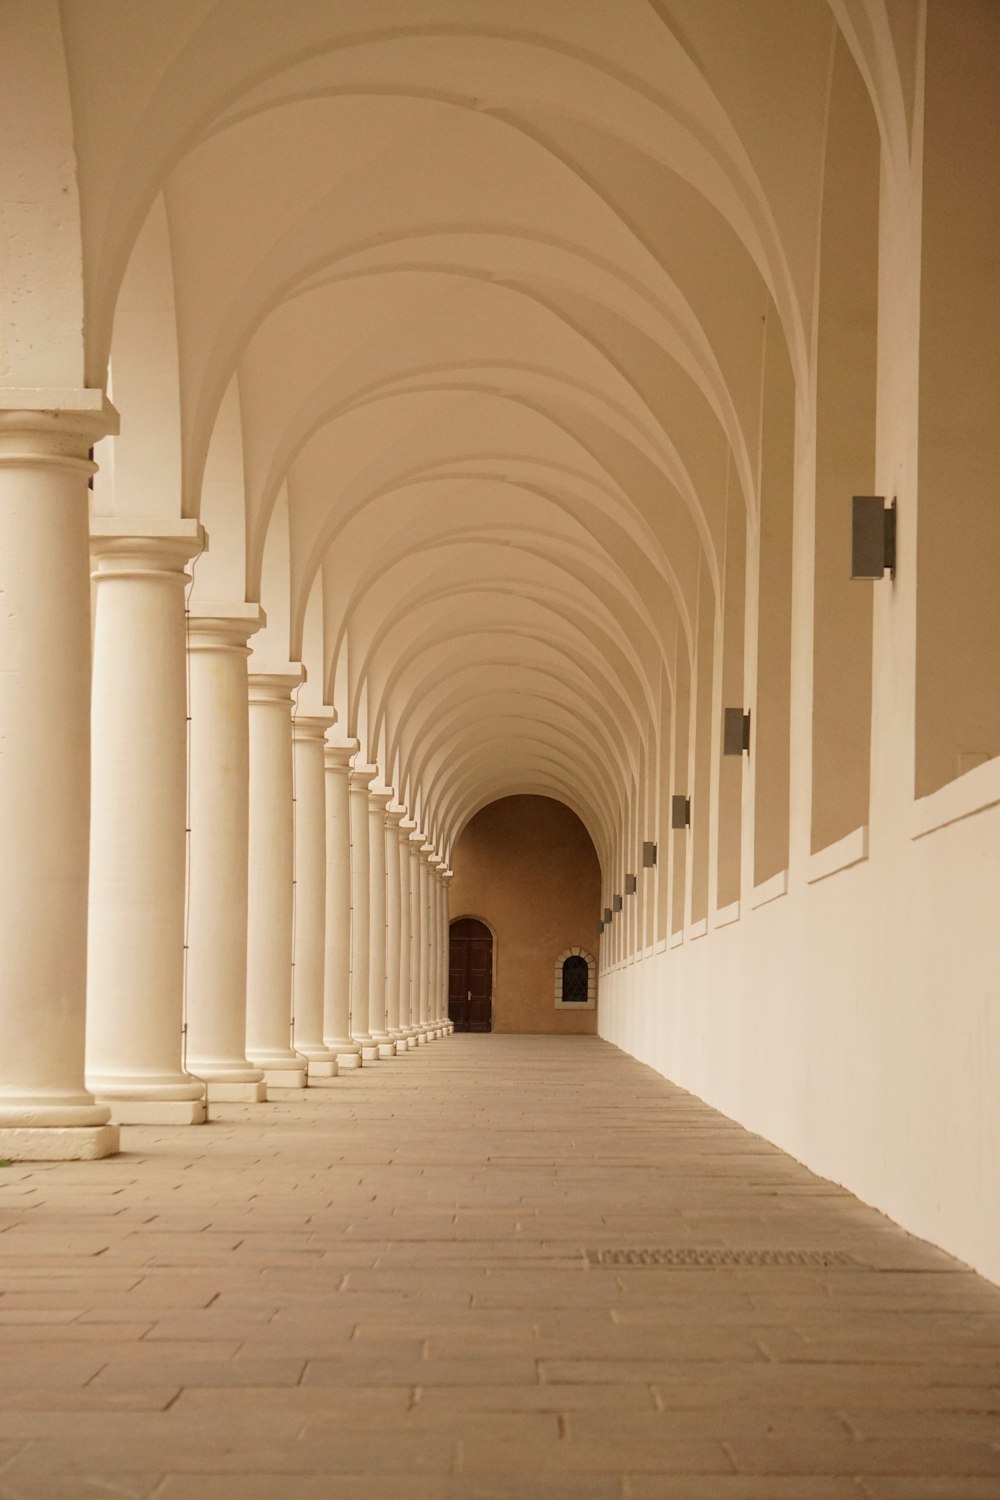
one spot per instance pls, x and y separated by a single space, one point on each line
531 463
523 1267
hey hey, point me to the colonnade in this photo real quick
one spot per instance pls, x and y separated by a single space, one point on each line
206 892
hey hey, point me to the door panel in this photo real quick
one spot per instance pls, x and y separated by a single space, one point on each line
470 975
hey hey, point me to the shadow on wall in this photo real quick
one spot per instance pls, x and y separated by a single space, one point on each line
526 866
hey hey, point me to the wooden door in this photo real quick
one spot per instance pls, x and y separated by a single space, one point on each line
470 975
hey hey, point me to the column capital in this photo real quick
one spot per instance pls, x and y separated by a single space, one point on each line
41 423
436 863
275 687
137 546
447 875
417 839
338 754
362 776
311 726
379 798
426 850
223 626
394 815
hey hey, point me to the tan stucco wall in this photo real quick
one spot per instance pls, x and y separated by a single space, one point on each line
527 867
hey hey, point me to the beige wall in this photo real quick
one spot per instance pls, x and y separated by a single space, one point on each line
527 867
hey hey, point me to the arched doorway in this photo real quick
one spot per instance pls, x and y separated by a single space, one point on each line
470 975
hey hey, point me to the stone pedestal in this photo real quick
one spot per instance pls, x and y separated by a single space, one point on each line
218 757
138 841
337 979
269 939
46 1112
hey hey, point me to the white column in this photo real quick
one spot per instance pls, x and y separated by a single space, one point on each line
46 1113
426 939
417 930
309 945
394 815
406 854
269 938
435 865
378 801
337 986
447 876
138 839
218 818
361 777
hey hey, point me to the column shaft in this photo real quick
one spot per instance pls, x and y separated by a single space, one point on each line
393 928
434 956
218 818
417 930
138 842
447 876
425 943
378 801
309 947
361 777
337 985
46 1113
406 933
269 940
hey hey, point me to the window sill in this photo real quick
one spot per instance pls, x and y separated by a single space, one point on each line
770 890
726 915
974 792
848 851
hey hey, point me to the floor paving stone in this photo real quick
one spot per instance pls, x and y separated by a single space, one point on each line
502 1267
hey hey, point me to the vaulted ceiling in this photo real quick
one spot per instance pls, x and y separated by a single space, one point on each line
448 319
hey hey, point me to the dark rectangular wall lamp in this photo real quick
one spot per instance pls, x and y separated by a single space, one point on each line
616 903
630 885
680 812
735 731
607 916
600 928
873 537
648 856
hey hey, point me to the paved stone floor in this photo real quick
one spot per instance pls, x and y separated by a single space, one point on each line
426 1281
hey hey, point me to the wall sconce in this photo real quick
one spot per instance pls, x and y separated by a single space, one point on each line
873 537
607 916
630 885
616 903
680 812
648 856
735 731
600 928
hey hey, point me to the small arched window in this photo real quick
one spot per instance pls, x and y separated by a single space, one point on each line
575 980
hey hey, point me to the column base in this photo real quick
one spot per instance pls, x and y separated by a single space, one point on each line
369 1052
157 1111
325 1067
387 1050
236 1093
58 1143
285 1078
413 1041
348 1061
